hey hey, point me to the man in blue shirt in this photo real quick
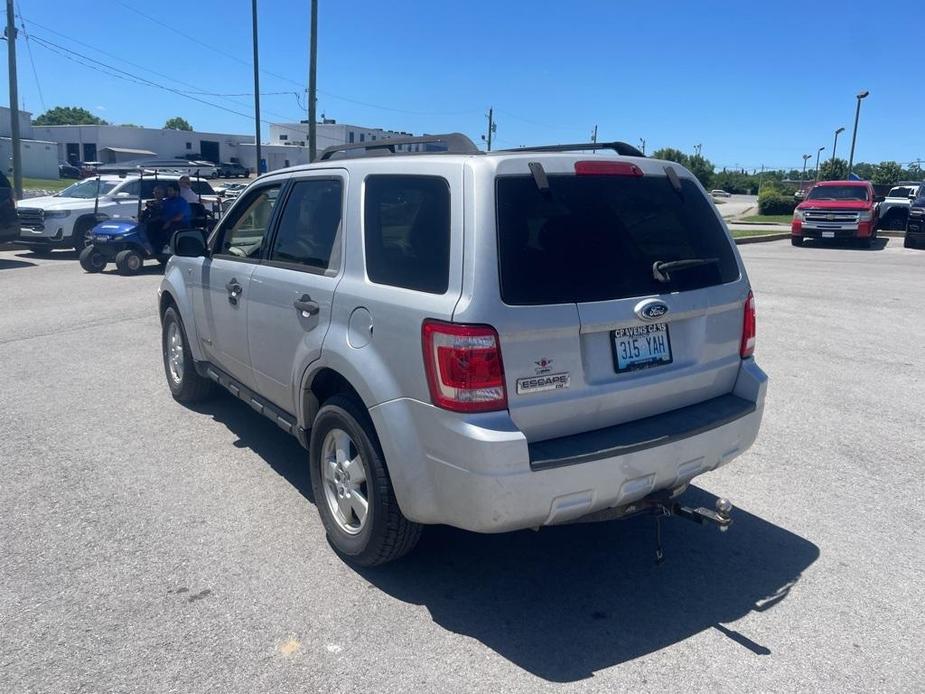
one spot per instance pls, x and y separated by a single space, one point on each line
175 215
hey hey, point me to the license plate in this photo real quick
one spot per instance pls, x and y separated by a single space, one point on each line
641 346
828 234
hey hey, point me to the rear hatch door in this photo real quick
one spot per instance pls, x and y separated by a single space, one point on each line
614 339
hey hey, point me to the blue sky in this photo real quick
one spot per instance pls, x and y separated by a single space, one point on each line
754 83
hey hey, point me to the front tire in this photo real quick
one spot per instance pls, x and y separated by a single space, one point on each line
796 240
129 262
79 238
185 384
91 260
353 492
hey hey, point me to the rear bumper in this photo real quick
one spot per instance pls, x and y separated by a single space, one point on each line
479 472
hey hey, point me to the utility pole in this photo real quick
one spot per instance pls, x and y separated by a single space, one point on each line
312 84
491 127
14 101
643 143
256 84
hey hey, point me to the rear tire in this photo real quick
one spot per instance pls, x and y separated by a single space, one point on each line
129 262
796 240
350 480
91 260
185 384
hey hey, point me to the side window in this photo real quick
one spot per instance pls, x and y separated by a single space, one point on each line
244 234
407 232
131 188
309 223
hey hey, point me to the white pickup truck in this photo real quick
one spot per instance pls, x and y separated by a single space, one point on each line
62 220
894 209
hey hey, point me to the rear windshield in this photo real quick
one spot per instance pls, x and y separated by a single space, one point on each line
596 238
838 193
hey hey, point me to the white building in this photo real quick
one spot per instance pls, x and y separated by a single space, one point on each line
329 133
39 158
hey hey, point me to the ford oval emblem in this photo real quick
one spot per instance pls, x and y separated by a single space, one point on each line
651 309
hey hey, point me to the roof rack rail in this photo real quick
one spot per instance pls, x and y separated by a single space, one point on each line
618 147
456 143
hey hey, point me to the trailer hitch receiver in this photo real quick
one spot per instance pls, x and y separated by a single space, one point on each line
720 517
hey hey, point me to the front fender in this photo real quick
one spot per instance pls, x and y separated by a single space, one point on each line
174 289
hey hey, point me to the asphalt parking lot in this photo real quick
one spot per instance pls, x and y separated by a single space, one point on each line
149 547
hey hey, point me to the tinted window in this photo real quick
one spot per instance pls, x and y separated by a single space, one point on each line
309 224
596 238
838 193
201 187
243 237
900 192
407 231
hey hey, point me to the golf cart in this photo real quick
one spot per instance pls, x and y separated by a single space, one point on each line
127 241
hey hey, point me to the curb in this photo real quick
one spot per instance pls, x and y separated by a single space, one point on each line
758 239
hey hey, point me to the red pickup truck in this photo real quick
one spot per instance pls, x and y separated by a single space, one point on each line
837 210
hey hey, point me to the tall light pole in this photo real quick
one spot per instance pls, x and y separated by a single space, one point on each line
256 85
803 175
313 84
14 101
834 146
642 141
854 134
818 152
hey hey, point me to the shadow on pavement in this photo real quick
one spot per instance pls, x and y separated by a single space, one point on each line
878 245
568 601
280 450
49 255
12 264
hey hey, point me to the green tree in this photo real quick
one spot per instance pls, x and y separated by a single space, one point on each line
833 172
68 115
177 123
671 154
702 168
864 170
887 173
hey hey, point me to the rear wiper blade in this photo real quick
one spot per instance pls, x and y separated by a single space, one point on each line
662 269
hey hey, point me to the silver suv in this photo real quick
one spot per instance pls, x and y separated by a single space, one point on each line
493 341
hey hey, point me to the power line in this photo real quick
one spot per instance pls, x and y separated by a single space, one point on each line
198 90
38 85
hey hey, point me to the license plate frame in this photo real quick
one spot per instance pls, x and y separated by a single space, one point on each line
828 234
626 365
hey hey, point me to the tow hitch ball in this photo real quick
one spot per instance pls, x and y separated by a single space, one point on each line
721 517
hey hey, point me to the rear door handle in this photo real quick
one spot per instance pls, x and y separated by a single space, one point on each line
307 306
235 290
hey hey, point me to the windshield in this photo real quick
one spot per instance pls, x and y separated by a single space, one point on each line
900 192
838 193
596 238
87 189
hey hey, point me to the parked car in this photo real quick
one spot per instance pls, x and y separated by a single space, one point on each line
9 223
490 341
837 210
233 170
915 226
63 220
894 210
720 194
68 171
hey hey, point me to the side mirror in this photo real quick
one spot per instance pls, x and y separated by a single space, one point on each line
188 243
879 198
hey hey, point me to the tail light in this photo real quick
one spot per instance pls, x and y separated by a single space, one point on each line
464 368
748 328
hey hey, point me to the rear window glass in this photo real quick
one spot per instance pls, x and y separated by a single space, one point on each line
407 232
596 238
838 193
